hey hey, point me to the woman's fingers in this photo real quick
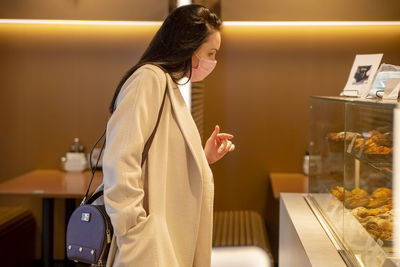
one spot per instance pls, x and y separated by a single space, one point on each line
218 145
222 147
222 141
227 146
232 148
215 133
224 136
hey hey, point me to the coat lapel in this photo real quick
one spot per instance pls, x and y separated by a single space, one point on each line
186 123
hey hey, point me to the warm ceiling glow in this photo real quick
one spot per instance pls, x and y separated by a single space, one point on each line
81 22
226 23
311 23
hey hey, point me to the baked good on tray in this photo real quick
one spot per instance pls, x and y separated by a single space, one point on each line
377 143
336 140
379 226
340 136
382 192
338 192
374 212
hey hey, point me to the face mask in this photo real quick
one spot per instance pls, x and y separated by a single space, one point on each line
205 67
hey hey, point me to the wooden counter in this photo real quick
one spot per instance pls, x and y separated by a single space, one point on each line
51 184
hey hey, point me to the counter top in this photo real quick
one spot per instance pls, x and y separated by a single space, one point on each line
298 225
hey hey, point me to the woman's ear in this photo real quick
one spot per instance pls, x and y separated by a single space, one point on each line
195 61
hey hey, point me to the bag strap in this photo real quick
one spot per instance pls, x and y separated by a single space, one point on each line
150 140
145 153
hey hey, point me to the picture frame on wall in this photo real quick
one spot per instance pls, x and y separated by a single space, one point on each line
361 75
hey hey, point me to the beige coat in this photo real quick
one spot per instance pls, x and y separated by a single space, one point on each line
177 230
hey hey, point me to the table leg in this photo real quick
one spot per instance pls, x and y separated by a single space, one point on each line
47 231
69 208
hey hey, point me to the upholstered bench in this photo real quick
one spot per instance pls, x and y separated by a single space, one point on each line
17 235
240 239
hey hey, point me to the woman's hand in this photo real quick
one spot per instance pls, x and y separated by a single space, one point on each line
218 145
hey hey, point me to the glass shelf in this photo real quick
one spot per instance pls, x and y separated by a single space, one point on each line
381 164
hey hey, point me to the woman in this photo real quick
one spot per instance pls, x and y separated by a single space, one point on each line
162 211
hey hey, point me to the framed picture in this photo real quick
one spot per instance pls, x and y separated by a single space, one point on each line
361 75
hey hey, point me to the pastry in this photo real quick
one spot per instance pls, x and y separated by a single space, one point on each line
356 201
377 202
361 213
341 136
350 135
378 222
359 142
337 191
384 208
375 149
374 212
358 198
333 136
382 139
374 132
382 192
380 197
358 192
380 226
378 143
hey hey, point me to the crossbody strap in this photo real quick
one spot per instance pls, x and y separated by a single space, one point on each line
150 140
144 153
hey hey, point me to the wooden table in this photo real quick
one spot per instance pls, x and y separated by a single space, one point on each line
48 185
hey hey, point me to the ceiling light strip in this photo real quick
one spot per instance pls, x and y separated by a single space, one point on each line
311 23
81 22
226 23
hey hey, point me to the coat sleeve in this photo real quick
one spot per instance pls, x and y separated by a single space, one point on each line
128 129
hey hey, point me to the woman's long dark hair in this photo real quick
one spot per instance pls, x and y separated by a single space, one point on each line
172 47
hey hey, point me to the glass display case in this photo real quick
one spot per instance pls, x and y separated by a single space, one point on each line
351 177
